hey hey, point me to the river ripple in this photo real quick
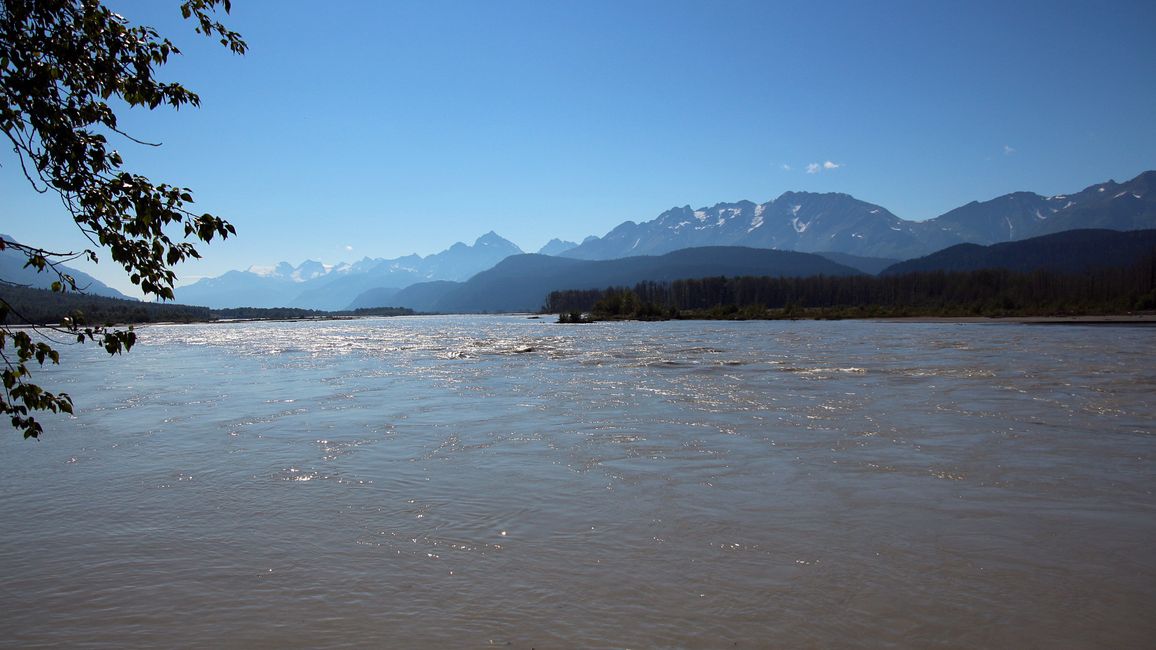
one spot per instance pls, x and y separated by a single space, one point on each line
468 481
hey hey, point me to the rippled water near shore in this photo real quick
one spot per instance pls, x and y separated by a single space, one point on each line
462 481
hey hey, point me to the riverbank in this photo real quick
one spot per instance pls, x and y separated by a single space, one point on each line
1140 318
1109 319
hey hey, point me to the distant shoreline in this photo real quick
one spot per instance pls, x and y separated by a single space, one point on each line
1135 319
1110 319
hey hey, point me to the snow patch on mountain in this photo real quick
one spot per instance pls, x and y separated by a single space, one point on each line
315 285
304 272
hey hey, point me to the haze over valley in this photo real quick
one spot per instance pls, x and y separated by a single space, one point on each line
846 230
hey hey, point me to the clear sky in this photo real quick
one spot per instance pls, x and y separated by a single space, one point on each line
379 128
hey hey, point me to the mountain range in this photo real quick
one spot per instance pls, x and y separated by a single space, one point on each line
522 282
312 285
840 223
1071 251
839 226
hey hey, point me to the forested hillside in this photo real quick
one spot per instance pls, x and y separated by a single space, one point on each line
989 292
36 306
1072 251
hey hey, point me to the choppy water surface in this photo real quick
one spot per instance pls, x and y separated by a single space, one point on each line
461 482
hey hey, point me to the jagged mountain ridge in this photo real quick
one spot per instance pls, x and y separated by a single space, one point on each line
840 223
1069 251
556 247
1022 215
867 235
799 221
522 282
311 285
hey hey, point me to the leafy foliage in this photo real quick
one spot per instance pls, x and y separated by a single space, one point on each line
61 63
33 307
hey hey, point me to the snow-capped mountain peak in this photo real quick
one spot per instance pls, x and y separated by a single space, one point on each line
316 285
307 270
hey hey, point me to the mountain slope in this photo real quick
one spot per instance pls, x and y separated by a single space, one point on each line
522 282
311 285
864 234
840 223
799 221
1022 215
421 297
239 289
12 270
556 247
868 265
379 297
1072 251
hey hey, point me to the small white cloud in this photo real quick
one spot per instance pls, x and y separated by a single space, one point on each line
815 168
786 167
1007 150
348 248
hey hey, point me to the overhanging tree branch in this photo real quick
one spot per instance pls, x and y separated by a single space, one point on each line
61 61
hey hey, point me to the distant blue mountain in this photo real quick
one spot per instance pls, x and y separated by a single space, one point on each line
839 226
1071 251
1022 215
12 270
839 223
556 247
522 282
798 221
868 265
312 285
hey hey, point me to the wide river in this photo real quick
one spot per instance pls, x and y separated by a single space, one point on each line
457 482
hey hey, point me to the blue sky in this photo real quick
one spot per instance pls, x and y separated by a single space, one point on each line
379 129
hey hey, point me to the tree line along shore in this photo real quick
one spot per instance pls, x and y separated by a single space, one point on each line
997 293
28 306
992 293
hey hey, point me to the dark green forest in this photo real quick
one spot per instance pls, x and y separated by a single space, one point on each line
28 306
989 292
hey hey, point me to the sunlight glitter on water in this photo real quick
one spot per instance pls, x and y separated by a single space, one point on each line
662 484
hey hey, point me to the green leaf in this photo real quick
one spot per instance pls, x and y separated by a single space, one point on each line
61 64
